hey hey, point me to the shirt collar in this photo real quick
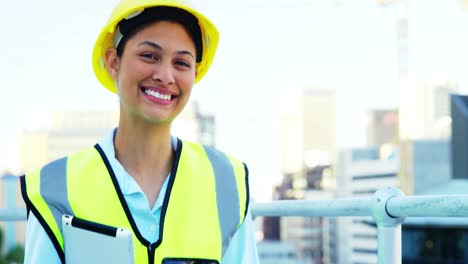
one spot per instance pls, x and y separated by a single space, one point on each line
126 182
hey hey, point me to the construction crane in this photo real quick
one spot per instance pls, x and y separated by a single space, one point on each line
402 27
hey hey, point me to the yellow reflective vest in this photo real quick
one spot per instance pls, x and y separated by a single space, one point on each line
205 203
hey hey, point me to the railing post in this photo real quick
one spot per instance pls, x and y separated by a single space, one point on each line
388 227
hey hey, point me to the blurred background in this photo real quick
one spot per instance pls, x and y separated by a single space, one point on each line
321 98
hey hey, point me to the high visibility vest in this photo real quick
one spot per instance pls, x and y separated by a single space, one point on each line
205 203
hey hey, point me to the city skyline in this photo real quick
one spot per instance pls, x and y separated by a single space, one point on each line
347 46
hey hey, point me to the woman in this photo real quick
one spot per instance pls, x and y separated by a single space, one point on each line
182 201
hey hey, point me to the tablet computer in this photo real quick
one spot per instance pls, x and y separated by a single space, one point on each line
90 242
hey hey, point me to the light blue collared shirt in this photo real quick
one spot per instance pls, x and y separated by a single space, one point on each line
39 248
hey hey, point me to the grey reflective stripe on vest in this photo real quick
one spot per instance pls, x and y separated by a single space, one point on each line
227 195
53 188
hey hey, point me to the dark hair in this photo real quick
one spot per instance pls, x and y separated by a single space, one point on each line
128 28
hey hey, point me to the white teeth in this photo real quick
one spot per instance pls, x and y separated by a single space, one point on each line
166 97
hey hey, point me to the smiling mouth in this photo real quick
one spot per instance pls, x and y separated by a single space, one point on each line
161 96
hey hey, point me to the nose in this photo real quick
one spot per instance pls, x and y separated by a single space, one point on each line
163 73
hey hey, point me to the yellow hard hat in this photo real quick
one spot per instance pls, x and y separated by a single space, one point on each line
126 9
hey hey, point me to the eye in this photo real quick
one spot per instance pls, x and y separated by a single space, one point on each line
149 56
183 63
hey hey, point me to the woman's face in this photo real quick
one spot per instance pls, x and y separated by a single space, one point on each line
156 72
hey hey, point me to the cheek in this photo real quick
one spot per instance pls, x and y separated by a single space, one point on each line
130 73
189 80
188 85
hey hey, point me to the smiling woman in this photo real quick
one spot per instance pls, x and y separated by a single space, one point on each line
155 74
168 192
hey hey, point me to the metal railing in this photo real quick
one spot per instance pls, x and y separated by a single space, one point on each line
388 206
12 214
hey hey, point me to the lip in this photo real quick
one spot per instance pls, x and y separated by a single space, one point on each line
160 91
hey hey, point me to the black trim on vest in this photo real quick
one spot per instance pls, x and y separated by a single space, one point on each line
23 193
121 196
170 184
151 247
41 220
247 192
188 261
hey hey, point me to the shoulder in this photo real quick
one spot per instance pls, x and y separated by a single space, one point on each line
56 170
243 247
228 169
62 161
213 153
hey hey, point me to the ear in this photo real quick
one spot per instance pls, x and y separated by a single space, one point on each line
112 62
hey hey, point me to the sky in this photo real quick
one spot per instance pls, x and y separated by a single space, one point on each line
267 49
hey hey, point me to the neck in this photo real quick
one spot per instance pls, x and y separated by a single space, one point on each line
142 147
146 153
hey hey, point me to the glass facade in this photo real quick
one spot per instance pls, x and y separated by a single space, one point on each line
434 245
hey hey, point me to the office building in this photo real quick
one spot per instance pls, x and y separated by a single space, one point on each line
424 111
437 167
360 173
382 127
437 239
308 139
277 252
313 237
308 131
424 164
459 140
68 131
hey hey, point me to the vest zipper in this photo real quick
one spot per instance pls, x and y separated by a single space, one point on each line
151 253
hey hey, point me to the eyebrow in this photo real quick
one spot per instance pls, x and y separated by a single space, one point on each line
158 47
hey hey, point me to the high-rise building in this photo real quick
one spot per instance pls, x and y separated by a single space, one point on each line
459 140
425 111
361 172
434 243
424 164
69 131
437 167
318 126
436 239
382 127
277 252
308 131
313 237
